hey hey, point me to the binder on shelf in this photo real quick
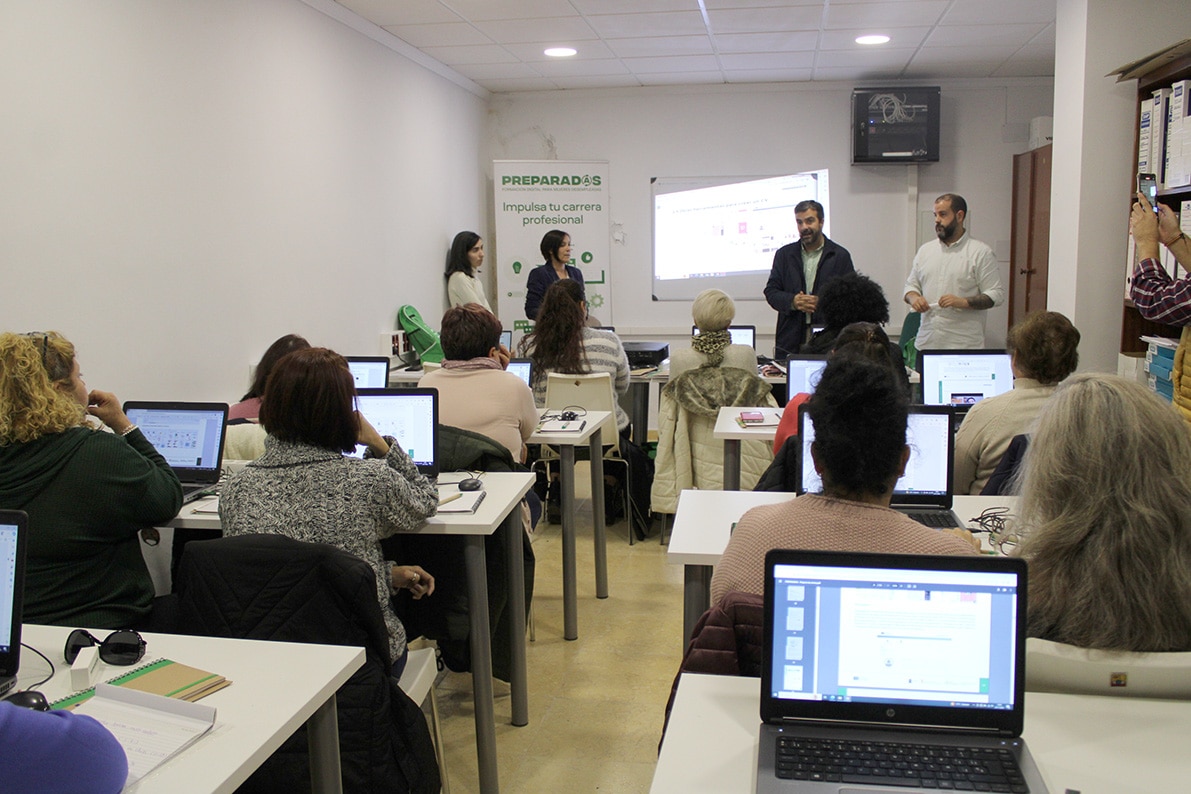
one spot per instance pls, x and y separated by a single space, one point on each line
1159 121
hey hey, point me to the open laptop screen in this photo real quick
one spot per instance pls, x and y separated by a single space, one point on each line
741 334
928 471
188 435
506 339
962 378
803 373
13 535
408 415
522 368
369 372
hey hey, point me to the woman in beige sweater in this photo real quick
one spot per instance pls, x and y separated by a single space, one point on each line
859 412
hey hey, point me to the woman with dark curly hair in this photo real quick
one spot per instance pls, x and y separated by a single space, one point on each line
852 298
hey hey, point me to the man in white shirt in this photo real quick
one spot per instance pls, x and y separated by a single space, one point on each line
953 282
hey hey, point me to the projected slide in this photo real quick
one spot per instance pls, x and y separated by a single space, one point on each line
725 234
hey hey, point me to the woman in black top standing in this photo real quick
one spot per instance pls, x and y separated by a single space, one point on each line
556 250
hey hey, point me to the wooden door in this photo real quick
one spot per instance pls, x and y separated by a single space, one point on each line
1030 235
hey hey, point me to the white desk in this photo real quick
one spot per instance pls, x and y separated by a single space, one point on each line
505 492
728 430
566 442
703 524
276 686
639 392
405 378
1092 745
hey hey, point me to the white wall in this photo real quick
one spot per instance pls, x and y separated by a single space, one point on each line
183 182
1093 170
769 130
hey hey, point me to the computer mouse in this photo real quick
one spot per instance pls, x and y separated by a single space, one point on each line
470 484
568 416
29 699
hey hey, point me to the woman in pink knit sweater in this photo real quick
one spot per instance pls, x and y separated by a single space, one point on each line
859 412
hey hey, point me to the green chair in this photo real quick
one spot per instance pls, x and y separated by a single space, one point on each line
906 339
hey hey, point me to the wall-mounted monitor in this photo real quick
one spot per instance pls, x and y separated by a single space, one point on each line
895 125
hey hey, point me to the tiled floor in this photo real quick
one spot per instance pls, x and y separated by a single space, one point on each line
595 704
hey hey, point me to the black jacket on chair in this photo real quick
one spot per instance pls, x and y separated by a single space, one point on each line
270 587
444 617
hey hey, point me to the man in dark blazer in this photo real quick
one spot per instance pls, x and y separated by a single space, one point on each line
787 290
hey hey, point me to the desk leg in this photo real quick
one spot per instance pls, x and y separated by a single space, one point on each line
518 686
322 742
639 394
696 597
481 661
570 609
599 528
732 464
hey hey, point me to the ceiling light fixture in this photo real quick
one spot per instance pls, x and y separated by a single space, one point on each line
561 52
876 39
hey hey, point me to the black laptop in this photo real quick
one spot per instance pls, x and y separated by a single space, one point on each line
924 491
189 436
369 372
408 415
14 538
962 378
893 672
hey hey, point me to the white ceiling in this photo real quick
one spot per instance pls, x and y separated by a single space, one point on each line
498 43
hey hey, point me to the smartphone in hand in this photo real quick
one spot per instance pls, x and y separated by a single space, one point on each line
1147 185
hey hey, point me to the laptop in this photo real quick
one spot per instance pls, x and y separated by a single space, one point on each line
506 339
189 436
803 373
893 673
924 491
962 378
369 372
408 415
522 368
741 334
14 538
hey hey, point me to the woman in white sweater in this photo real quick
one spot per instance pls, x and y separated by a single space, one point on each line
463 264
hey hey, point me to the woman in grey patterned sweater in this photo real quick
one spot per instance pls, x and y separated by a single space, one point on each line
304 488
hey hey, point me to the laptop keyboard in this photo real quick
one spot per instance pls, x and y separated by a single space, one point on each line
896 764
935 519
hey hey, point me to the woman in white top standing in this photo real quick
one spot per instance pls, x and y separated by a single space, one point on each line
712 311
463 264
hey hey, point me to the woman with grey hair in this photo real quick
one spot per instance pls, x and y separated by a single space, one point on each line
1106 519
712 311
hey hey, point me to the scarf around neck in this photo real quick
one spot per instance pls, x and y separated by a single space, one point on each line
712 344
480 362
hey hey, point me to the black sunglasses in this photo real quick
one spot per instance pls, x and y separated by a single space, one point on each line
120 647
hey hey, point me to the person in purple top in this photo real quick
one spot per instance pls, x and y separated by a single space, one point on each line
58 751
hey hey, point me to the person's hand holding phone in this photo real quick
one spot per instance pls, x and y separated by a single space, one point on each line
1143 224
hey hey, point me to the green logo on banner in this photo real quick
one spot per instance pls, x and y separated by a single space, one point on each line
587 257
516 267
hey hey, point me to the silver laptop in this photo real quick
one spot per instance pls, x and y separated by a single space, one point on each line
522 368
803 373
369 372
14 537
924 491
893 673
189 436
962 378
408 415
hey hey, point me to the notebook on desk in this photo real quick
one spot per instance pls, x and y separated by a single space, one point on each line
924 491
408 415
189 436
890 672
14 537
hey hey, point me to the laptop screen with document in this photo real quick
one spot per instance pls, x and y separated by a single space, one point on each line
14 529
408 415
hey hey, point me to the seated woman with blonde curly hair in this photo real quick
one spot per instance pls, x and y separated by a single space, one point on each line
88 493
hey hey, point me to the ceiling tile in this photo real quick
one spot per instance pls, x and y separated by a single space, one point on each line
722 4
519 84
982 12
899 38
601 81
969 35
447 34
953 56
457 56
625 26
874 59
588 50
486 10
589 7
891 15
856 73
553 29
572 68
782 41
933 71
681 78
676 63
769 60
401 12
481 72
760 20
666 45
769 76
1026 68
1045 36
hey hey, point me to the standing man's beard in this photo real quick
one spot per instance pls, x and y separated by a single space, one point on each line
945 232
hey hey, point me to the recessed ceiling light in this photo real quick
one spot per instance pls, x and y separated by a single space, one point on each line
877 39
561 52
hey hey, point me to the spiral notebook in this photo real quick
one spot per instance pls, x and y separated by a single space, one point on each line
163 677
